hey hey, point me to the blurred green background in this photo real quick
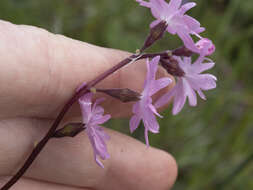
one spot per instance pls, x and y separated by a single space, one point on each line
212 143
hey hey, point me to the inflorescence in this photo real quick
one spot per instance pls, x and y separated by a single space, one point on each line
190 80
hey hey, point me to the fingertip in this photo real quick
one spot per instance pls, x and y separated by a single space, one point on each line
134 166
167 166
160 171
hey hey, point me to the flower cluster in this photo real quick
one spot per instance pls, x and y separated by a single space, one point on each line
190 79
177 21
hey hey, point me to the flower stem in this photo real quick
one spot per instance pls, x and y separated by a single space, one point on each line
67 106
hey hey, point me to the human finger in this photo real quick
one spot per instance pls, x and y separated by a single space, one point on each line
40 72
70 161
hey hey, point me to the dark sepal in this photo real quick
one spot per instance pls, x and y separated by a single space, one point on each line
172 67
155 34
124 95
69 130
182 51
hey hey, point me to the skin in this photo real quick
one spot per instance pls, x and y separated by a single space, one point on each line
39 73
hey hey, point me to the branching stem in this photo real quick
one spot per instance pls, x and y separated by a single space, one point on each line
67 106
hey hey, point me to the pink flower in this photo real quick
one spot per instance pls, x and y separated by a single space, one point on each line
178 22
143 109
92 118
186 85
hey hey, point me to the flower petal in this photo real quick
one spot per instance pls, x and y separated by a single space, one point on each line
146 137
188 42
97 139
171 30
100 119
174 5
134 123
98 110
186 7
165 98
159 8
192 24
144 3
201 67
203 81
201 94
152 67
149 121
159 84
189 92
85 105
153 109
179 98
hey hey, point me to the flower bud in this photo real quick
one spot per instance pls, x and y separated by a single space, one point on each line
172 67
69 130
155 34
124 95
205 46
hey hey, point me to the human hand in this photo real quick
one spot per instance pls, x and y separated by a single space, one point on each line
39 73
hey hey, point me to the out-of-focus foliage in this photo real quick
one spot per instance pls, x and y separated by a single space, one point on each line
210 141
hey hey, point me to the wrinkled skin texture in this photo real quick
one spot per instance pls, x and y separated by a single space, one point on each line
39 72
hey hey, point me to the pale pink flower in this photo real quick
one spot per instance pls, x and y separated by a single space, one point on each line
143 109
173 13
92 118
191 81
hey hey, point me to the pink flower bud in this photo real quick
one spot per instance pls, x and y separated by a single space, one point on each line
205 46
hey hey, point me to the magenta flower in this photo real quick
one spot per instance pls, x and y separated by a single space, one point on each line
173 13
143 109
92 118
186 85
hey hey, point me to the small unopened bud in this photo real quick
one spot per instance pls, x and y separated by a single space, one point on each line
172 67
137 51
205 46
155 34
124 95
93 90
182 51
69 130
